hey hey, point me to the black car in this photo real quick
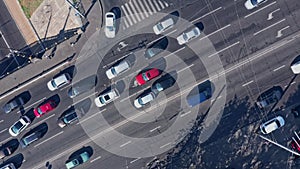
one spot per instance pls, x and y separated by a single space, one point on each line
162 84
13 104
269 97
26 140
156 48
5 151
70 116
80 88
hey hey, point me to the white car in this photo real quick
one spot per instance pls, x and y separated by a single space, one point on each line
106 98
9 166
117 69
19 126
188 36
272 125
59 82
162 26
144 99
110 25
250 4
296 67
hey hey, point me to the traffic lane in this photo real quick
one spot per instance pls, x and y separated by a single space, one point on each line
10 29
4 50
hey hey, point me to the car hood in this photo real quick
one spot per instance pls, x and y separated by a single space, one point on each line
137 104
180 40
109 74
50 87
98 103
249 5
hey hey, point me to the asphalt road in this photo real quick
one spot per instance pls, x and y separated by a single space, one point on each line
252 54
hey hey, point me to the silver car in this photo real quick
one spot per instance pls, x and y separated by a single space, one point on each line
162 26
188 36
117 69
106 98
110 25
144 99
59 82
272 125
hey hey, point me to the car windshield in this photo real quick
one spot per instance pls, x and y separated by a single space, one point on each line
185 37
159 87
101 100
110 28
140 101
70 117
17 127
75 162
160 27
145 77
254 2
277 123
39 111
113 71
53 83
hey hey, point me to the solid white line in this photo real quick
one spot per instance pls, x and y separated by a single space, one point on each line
224 49
293 82
158 127
3 130
207 14
35 103
63 88
81 121
1 121
219 97
174 52
260 9
97 158
185 68
247 83
279 68
134 160
161 37
128 142
182 115
40 122
4 141
85 98
215 31
269 27
165 145
48 139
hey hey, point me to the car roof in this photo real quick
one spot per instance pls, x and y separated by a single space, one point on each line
147 98
167 22
121 66
60 79
46 106
271 126
109 18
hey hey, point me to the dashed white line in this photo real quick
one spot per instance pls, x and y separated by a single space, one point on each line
165 145
207 14
4 141
174 52
247 83
184 114
85 98
134 160
97 158
224 49
185 68
162 37
81 121
128 142
40 122
269 27
48 139
260 9
1 121
33 104
3 130
158 127
215 31
279 68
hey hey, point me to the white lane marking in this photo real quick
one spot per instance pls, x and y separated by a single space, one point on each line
63 88
162 5
207 14
85 98
130 13
143 8
81 121
1 121
260 9
135 12
132 95
134 160
165 145
40 122
184 114
4 141
270 16
188 67
126 17
48 139
157 6
148 8
279 33
219 97
3 130
174 52
166 4
128 142
140 12
269 27
293 82
215 31
34 103
151 5
279 68
158 127
97 158
162 37
247 83
224 49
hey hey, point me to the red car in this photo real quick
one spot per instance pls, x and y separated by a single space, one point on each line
45 108
142 78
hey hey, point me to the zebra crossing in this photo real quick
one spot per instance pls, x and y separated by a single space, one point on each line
137 10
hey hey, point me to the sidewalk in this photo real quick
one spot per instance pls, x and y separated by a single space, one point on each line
60 54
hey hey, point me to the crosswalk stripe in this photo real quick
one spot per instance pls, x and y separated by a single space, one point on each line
143 8
148 8
161 4
151 4
130 13
138 9
134 11
126 16
166 4
157 6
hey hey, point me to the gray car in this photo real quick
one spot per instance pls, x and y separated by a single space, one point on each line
13 104
25 141
269 97
69 117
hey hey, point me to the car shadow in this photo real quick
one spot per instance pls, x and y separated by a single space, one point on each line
42 128
13 144
118 15
297 59
201 87
72 70
17 160
200 26
87 149
83 105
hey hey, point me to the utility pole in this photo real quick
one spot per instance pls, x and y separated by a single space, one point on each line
75 7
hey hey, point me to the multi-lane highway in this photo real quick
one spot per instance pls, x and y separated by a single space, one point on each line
242 53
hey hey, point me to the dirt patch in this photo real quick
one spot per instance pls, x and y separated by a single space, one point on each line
29 6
